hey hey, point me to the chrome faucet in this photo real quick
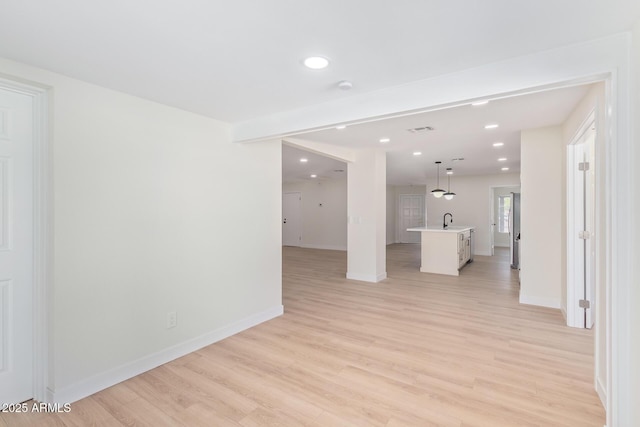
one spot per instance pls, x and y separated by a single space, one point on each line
444 220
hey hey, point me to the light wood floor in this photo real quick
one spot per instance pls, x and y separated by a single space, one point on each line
414 350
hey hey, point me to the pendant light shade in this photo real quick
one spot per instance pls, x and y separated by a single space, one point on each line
449 195
438 192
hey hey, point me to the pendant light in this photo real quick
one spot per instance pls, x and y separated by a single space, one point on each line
438 192
449 195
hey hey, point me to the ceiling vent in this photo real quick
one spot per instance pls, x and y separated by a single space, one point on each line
338 170
421 129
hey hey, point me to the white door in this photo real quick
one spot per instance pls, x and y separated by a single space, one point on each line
411 215
16 247
291 219
580 232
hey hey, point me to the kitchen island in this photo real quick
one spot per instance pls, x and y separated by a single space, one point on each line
445 250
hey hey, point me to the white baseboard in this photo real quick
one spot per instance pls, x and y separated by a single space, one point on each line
124 372
326 247
602 393
367 277
540 301
564 313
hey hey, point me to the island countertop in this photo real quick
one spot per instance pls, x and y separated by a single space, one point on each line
449 229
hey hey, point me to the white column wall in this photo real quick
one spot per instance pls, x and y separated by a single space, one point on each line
541 216
366 211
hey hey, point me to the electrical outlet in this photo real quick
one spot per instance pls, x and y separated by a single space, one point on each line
172 319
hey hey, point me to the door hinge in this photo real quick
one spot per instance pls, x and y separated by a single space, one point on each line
583 166
584 303
584 235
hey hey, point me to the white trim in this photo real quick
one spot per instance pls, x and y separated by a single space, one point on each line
42 230
367 277
602 393
619 262
124 372
324 247
540 301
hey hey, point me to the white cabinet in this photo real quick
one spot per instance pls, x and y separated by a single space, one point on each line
464 248
444 251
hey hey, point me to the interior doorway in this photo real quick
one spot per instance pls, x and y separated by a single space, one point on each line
291 219
501 205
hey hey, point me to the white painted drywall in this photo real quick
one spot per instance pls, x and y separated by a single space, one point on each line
634 321
471 206
324 212
155 210
367 208
541 216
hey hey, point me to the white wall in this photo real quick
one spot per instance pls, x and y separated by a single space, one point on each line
154 210
634 321
323 227
541 216
501 239
471 206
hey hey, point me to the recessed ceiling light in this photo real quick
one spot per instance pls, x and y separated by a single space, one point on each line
491 126
479 103
303 160
417 153
502 159
340 127
384 140
505 169
498 144
316 62
314 175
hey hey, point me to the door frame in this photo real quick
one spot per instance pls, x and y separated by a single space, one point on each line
42 231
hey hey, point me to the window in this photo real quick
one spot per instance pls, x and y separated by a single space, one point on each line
504 206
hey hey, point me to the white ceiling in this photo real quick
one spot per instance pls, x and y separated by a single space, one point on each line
236 60
242 59
321 166
458 133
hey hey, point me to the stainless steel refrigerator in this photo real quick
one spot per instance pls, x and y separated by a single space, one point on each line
514 230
